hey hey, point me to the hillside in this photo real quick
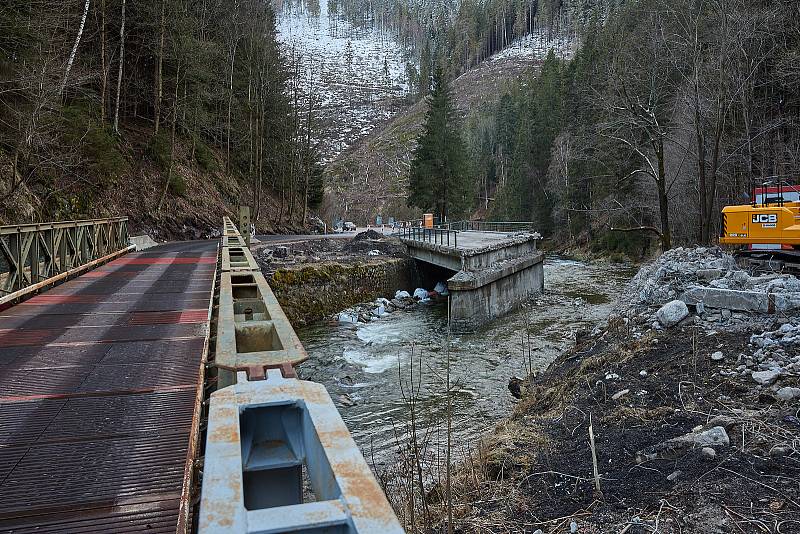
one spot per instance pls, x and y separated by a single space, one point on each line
199 194
371 178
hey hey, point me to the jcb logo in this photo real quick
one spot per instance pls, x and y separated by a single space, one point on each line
762 218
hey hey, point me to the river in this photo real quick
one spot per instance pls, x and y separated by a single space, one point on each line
367 368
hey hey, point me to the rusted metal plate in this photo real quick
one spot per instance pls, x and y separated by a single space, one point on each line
98 391
156 518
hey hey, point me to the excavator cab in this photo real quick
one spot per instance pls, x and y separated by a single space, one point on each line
768 228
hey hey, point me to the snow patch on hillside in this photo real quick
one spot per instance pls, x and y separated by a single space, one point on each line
355 76
537 46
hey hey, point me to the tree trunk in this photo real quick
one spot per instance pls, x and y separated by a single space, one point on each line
701 161
663 201
230 106
103 66
172 139
119 72
74 48
159 71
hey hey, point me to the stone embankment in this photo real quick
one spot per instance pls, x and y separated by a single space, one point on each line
316 279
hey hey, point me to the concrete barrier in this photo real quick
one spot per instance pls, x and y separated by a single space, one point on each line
732 299
263 437
142 242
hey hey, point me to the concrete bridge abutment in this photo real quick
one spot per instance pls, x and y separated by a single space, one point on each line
494 273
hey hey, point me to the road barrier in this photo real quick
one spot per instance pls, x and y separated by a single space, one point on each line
34 255
278 457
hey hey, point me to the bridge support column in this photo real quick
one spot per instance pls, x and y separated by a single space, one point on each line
477 297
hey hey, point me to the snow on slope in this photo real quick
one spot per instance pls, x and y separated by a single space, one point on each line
356 76
537 46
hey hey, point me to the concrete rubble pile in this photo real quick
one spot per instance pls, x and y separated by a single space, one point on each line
705 288
710 281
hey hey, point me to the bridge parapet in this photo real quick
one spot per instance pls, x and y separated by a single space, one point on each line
253 333
269 433
33 256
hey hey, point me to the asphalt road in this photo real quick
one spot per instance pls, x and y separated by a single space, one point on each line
280 239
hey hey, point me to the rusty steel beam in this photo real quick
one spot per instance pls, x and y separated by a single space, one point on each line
265 437
253 333
268 431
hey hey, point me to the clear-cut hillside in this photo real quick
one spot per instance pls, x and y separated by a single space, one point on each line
371 177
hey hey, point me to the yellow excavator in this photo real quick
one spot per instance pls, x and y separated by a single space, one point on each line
767 230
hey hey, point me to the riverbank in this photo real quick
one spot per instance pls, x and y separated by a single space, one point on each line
676 420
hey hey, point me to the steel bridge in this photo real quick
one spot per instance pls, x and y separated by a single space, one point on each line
154 391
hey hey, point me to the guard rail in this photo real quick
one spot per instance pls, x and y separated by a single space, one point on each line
438 236
278 457
33 255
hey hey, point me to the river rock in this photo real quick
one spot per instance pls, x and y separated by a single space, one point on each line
672 313
717 356
346 400
708 453
787 394
400 294
346 318
767 377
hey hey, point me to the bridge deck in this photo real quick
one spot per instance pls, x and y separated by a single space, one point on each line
98 379
474 240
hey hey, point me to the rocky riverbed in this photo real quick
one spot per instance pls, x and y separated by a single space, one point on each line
678 415
369 361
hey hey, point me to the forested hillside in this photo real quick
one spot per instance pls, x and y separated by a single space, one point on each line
171 111
667 111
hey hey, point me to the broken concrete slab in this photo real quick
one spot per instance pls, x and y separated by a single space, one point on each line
713 437
733 299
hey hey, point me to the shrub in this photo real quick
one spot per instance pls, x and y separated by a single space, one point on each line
177 185
204 155
97 144
159 149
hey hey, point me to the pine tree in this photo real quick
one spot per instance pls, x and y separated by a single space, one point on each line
440 180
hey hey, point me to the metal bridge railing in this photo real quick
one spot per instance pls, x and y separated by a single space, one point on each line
31 254
437 236
489 226
269 432
253 333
